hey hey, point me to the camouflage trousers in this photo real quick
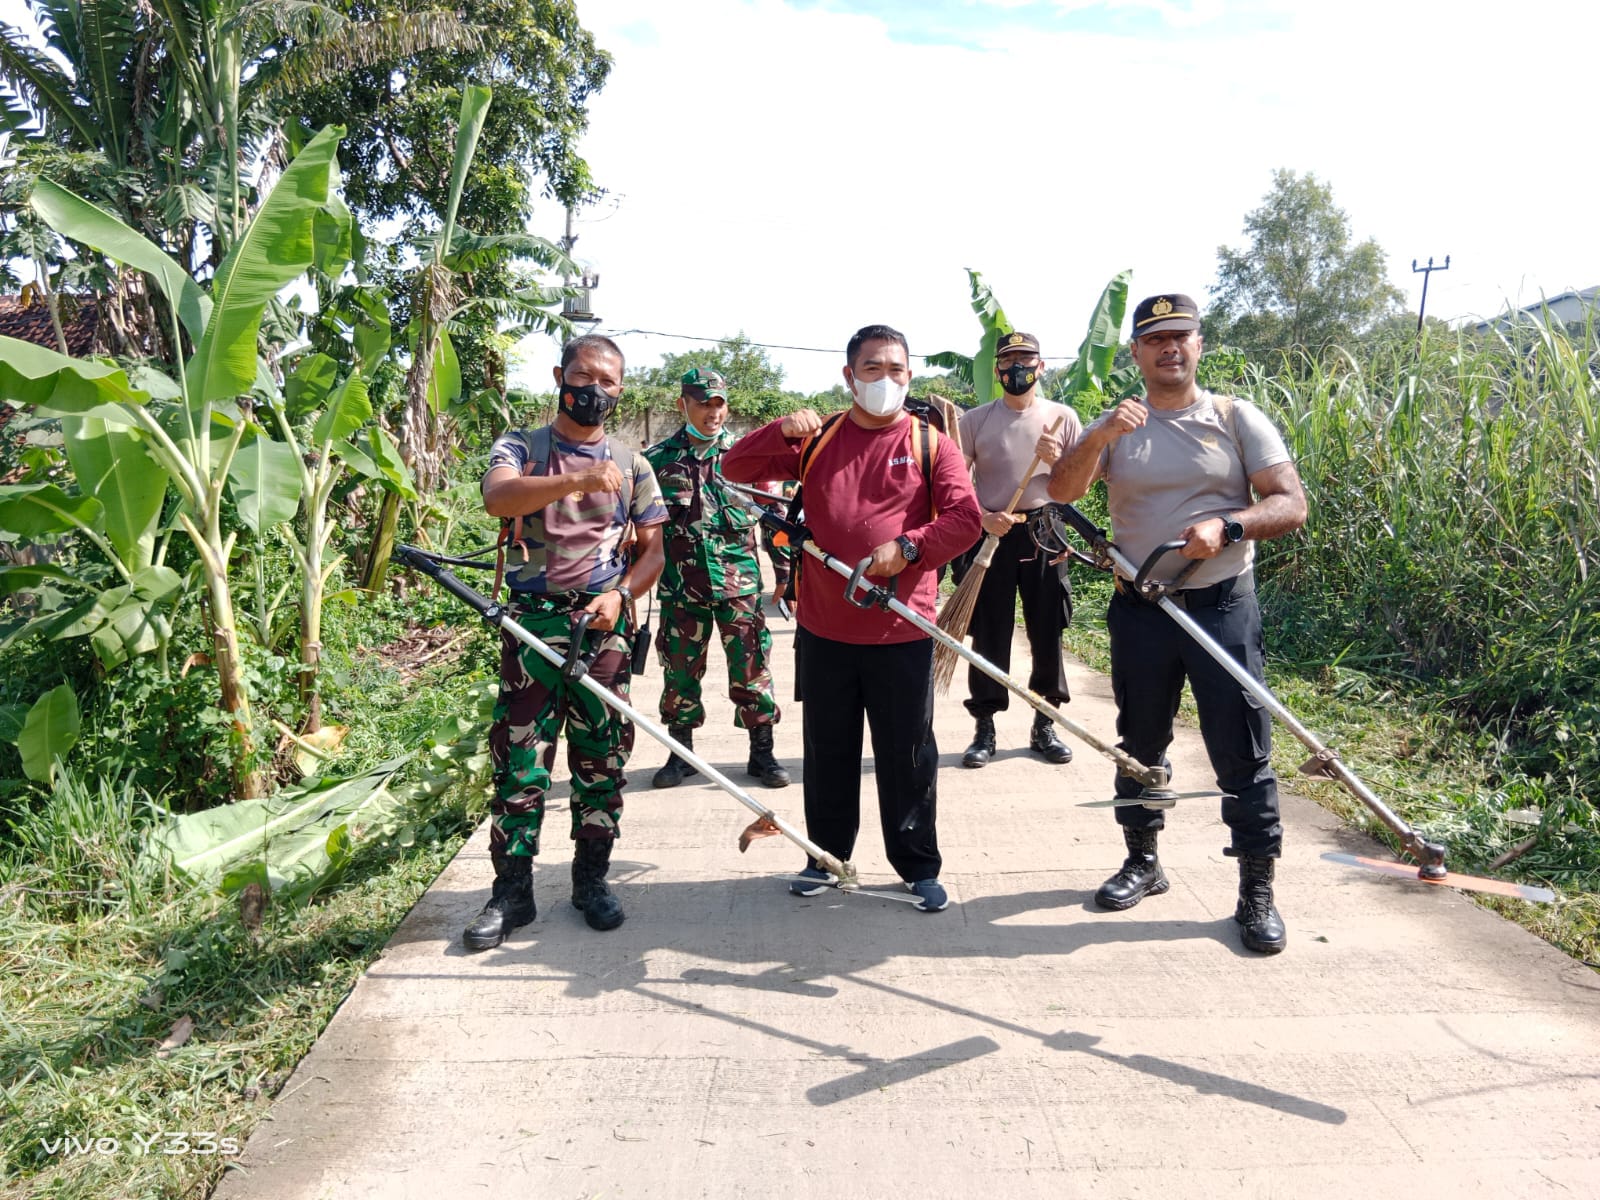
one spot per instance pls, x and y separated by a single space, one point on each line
681 643
534 705
782 559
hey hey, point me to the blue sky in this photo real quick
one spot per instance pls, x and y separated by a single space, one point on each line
958 22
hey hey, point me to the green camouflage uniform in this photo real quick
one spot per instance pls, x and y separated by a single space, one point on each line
534 701
782 556
533 705
712 579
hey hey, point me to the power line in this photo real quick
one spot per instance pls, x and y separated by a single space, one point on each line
689 337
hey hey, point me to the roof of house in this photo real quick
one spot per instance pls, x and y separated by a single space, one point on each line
1586 298
27 318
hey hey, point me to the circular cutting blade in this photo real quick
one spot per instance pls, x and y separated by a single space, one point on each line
1467 883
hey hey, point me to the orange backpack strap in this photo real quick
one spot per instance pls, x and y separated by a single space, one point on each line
929 448
812 446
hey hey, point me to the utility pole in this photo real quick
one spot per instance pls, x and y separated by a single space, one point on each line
1425 272
576 308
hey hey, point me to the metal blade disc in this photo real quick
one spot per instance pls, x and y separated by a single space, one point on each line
857 891
1163 802
1467 883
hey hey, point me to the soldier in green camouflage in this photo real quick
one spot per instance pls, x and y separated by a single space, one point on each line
572 496
712 580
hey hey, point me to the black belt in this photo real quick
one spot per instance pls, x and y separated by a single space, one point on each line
1202 597
1210 597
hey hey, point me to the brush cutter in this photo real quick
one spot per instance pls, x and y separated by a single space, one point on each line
574 669
866 595
1049 532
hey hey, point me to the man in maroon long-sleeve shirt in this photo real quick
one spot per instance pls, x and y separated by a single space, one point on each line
867 496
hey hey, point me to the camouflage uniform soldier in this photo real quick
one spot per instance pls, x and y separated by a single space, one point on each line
712 579
573 495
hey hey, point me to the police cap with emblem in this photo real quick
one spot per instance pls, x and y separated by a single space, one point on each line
1012 342
1173 310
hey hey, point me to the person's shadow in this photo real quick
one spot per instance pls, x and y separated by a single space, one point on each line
831 939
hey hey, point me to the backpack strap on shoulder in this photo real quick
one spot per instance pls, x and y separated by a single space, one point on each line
928 447
812 446
1228 411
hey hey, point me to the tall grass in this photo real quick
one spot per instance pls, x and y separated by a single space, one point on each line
1454 536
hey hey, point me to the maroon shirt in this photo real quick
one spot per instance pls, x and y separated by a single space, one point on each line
864 488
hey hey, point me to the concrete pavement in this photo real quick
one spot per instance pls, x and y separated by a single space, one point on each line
733 1041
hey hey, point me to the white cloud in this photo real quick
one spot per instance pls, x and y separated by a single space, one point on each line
799 172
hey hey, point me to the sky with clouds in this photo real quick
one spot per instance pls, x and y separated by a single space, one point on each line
798 168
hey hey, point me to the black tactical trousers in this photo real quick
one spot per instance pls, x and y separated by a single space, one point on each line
1019 566
1150 658
892 687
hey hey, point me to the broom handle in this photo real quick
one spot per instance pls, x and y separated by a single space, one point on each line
991 543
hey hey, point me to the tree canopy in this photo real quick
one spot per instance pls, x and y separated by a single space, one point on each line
1300 283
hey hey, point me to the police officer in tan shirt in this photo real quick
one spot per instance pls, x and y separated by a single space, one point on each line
1019 431
1182 463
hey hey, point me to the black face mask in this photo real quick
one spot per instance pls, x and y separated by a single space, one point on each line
1017 379
587 405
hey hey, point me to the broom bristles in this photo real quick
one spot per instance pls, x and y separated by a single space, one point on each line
954 618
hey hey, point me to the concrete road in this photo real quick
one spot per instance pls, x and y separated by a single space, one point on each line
733 1041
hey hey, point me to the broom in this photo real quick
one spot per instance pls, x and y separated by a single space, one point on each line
956 614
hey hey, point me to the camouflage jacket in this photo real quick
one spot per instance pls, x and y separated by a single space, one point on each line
710 535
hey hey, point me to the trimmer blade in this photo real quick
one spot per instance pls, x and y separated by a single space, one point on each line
1161 799
834 885
1467 883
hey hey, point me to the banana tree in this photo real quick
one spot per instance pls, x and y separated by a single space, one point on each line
306 466
433 382
978 370
1090 374
1090 378
195 437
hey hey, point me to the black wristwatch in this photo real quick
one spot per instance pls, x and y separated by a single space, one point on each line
908 548
1232 531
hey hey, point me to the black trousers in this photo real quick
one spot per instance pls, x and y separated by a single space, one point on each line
1019 566
892 687
1151 655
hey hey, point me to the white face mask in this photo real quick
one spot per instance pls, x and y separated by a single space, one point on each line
881 397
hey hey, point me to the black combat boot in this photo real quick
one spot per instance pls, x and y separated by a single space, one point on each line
982 749
1260 926
591 859
676 770
762 764
510 904
1045 742
1140 875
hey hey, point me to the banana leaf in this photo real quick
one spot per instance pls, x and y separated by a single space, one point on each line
265 481
75 218
276 248
38 376
48 732
111 465
1090 373
295 843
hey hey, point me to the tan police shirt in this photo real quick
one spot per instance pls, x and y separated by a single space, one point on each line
1185 466
1000 441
